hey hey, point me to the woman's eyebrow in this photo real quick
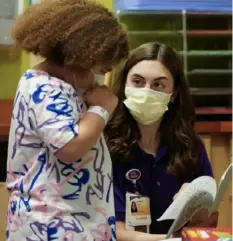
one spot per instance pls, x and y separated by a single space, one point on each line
160 78
155 79
138 75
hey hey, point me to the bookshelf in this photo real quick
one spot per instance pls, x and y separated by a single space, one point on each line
204 42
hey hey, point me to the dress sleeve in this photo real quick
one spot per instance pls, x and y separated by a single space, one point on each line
53 113
119 194
119 197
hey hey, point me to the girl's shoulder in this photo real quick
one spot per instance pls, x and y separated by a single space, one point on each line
36 78
38 83
38 89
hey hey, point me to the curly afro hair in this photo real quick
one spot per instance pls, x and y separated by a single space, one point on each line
71 33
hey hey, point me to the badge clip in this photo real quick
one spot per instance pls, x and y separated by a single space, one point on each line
133 175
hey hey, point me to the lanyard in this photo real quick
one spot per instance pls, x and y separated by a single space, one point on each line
133 175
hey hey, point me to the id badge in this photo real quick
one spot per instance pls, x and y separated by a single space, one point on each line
137 211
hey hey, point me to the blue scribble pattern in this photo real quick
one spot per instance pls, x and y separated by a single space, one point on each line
51 199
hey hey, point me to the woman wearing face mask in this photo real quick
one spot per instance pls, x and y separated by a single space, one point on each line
152 131
59 168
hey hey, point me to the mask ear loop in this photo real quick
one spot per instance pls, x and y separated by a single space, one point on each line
90 89
94 81
75 82
172 99
78 90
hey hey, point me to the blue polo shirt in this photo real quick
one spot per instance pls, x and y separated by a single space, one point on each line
155 183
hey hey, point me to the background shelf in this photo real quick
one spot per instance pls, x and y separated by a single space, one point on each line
203 39
211 71
213 111
5 47
155 33
209 33
209 53
211 91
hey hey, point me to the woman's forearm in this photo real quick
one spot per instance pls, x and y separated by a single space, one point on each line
130 235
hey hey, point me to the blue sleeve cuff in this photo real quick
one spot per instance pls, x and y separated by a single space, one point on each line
120 216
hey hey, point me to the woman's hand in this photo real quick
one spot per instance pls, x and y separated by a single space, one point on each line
181 190
203 219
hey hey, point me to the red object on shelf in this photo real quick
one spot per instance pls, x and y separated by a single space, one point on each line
207 234
213 111
209 33
5 116
213 127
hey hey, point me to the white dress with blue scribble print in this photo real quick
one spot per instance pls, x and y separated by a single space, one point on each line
51 200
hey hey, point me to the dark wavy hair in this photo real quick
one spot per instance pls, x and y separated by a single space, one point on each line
177 126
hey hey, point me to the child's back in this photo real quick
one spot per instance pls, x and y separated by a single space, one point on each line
51 198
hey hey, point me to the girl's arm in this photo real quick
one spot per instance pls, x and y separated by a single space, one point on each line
55 116
90 128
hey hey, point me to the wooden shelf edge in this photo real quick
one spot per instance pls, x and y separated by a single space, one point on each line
209 33
210 91
209 13
213 127
200 127
5 118
213 111
6 46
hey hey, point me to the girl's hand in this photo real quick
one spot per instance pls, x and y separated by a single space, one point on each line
101 96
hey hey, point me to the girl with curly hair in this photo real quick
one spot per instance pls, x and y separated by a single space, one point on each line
151 136
59 168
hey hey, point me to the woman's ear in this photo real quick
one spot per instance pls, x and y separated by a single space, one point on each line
173 97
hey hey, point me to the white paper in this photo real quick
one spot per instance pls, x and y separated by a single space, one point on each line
199 194
222 187
202 193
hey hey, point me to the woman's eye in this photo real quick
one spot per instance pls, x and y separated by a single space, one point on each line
138 81
159 85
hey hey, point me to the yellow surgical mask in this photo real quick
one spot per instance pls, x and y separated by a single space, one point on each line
146 105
